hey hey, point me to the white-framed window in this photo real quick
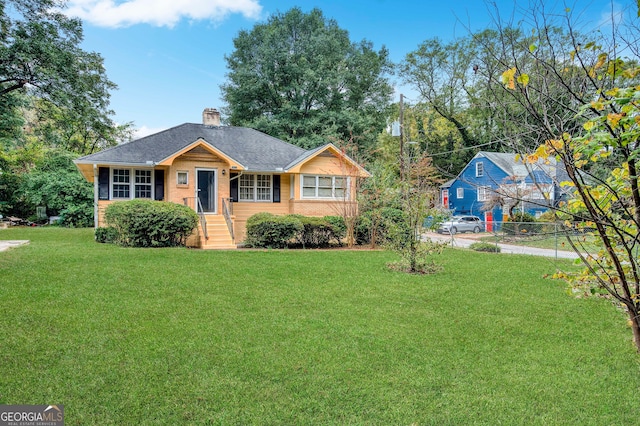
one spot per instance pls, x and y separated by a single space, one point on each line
479 169
459 192
143 184
121 183
254 187
131 183
182 177
483 193
538 191
317 186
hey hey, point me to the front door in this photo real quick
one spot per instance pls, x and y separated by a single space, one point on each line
206 189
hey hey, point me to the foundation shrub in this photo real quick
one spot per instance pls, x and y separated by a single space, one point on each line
270 231
147 223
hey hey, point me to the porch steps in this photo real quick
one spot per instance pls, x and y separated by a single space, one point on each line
219 236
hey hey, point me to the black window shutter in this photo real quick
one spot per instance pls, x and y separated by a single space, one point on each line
234 187
276 188
103 183
159 185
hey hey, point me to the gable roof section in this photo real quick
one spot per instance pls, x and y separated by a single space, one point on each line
250 148
296 165
201 143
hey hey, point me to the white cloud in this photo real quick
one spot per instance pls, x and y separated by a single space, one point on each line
143 131
612 14
161 13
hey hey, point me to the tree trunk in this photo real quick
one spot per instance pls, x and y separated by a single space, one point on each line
635 327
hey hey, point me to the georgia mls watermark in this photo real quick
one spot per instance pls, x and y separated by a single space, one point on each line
31 415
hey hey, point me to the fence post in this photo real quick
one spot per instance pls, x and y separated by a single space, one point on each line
556 237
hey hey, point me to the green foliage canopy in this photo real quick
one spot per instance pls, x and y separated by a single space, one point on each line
299 78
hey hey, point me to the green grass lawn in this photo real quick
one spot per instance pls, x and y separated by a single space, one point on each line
559 242
178 336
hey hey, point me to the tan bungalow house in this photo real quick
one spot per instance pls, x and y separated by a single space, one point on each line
226 174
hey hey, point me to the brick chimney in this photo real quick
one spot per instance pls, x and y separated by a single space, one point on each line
211 117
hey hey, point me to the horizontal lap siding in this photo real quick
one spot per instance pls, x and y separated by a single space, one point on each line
243 210
189 163
325 164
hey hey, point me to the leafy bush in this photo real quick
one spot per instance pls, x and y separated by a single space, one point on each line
486 247
339 227
377 224
424 263
146 223
316 232
106 234
521 224
271 231
77 216
268 230
57 185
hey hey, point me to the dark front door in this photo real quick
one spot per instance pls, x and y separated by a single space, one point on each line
207 190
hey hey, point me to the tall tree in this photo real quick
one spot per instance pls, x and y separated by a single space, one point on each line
299 78
577 96
40 55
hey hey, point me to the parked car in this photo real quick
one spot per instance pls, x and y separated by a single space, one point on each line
461 224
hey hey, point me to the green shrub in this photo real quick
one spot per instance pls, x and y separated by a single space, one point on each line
486 247
521 224
57 185
377 224
316 232
147 223
271 231
77 216
339 227
106 234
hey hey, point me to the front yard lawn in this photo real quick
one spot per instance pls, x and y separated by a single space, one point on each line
178 336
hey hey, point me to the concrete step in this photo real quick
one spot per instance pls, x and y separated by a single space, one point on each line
218 233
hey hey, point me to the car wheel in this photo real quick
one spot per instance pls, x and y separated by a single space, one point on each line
453 230
476 229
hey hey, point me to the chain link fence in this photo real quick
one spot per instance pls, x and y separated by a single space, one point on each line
553 239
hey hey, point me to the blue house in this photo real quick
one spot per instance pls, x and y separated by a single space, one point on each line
493 185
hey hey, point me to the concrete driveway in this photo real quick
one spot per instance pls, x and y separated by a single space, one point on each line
7 244
465 240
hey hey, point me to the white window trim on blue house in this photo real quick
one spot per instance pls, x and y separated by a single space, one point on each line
483 193
479 169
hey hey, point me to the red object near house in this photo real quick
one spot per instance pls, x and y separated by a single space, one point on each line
488 221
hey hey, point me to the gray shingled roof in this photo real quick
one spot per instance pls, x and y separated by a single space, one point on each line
507 162
251 148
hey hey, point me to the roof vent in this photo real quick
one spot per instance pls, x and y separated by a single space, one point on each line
211 117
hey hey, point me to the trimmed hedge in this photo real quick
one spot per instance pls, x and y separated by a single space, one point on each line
270 231
147 223
107 234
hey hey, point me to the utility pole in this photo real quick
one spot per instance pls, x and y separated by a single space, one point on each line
401 137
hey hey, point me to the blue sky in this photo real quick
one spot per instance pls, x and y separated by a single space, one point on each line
167 56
